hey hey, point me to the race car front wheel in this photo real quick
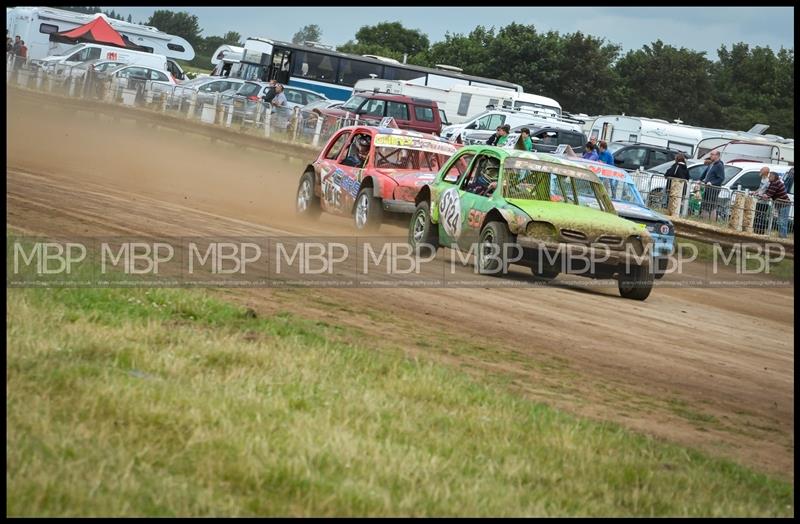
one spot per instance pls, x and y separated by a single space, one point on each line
423 234
493 248
636 284
368 213
307 203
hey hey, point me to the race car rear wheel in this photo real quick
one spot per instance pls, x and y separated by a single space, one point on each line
636 284
492 248
423 235
307 203
368 213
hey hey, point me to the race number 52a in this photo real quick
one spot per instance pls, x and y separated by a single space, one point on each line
450 212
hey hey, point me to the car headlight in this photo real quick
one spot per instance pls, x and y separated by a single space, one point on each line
542 231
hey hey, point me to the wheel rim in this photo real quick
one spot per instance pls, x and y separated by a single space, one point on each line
304 195
486 248
419 227
362 210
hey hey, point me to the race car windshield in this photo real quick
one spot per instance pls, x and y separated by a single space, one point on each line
529 184
403 158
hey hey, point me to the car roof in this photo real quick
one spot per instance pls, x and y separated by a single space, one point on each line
377 130
570 168
293 88
743 164
393 98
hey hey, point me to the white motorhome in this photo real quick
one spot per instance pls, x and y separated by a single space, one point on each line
35 25
460 102
651 131
224 58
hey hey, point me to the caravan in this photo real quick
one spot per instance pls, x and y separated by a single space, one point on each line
651 131
224 59
460 102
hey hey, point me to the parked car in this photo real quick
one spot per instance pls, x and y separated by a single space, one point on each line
739 175
493 199
480 127
322 104
206 88
547 139
369 173
99 65
247 100
414 114
632 156
138 75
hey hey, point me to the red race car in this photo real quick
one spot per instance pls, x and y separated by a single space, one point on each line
368 172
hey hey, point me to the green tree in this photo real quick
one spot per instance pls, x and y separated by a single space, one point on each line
755 86
661 81
180 23
390 36
308 33
130 19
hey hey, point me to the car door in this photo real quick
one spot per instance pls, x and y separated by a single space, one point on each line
340 183
446 208
463 209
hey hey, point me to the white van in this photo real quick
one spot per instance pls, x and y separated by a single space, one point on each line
81 53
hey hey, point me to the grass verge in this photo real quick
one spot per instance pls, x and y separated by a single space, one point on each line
168 402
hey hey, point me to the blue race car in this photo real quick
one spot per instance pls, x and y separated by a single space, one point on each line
630 205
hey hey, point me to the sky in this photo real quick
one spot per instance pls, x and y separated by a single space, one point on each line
697 28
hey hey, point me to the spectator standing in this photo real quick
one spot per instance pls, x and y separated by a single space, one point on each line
524 142
676 170
762 206
780 199
492 140
604 154
589 153
271 91
505 129
279 99
713 177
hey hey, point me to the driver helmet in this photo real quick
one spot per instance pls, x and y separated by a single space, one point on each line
491 169
362 144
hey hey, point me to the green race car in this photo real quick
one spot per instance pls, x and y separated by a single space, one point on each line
510 206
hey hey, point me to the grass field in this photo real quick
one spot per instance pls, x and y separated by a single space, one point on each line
169 402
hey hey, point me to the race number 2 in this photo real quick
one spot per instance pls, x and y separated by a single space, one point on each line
450 212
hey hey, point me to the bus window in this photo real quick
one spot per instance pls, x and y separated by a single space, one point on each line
350 71
317 66
397 73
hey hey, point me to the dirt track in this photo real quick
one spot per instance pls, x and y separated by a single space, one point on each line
712 368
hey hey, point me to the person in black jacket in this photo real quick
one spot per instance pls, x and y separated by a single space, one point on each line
676 170
713 177
492 140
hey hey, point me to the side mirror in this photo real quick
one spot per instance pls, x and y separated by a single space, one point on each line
473 125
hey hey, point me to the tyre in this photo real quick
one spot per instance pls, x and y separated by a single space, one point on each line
637 284
423 235
545 272
307 204
491 248
368 212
